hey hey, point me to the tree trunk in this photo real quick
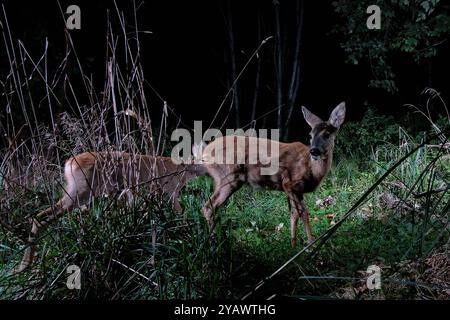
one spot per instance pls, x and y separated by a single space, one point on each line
296 77
233 65
257 79
278 67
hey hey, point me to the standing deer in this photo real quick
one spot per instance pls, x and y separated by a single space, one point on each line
98 173
301 168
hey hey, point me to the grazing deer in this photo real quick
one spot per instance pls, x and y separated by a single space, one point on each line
93 174
301 168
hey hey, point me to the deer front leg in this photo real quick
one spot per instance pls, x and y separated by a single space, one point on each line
305 220
219 197
294 205
294 222
223 190
298 209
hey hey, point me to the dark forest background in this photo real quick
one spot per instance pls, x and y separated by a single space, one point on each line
320 53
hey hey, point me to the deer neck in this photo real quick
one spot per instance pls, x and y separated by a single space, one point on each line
320 167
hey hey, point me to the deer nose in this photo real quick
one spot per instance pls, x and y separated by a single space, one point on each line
315 152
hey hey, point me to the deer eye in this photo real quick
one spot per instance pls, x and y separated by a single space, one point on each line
326 135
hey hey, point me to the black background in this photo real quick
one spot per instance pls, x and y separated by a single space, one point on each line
185 57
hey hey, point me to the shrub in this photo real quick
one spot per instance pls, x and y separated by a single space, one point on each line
358 139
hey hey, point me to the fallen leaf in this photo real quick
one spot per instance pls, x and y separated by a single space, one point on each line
279 227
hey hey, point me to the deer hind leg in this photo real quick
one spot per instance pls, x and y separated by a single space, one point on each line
44 219
176 204
39 223
223 190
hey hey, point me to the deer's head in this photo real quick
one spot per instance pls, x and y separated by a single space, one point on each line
323 133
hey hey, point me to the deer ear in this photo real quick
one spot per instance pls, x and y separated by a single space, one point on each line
311 118
338 115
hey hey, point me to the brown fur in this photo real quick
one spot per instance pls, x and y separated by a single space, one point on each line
93 174
298 172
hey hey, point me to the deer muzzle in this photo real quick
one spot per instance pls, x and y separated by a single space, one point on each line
315 153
